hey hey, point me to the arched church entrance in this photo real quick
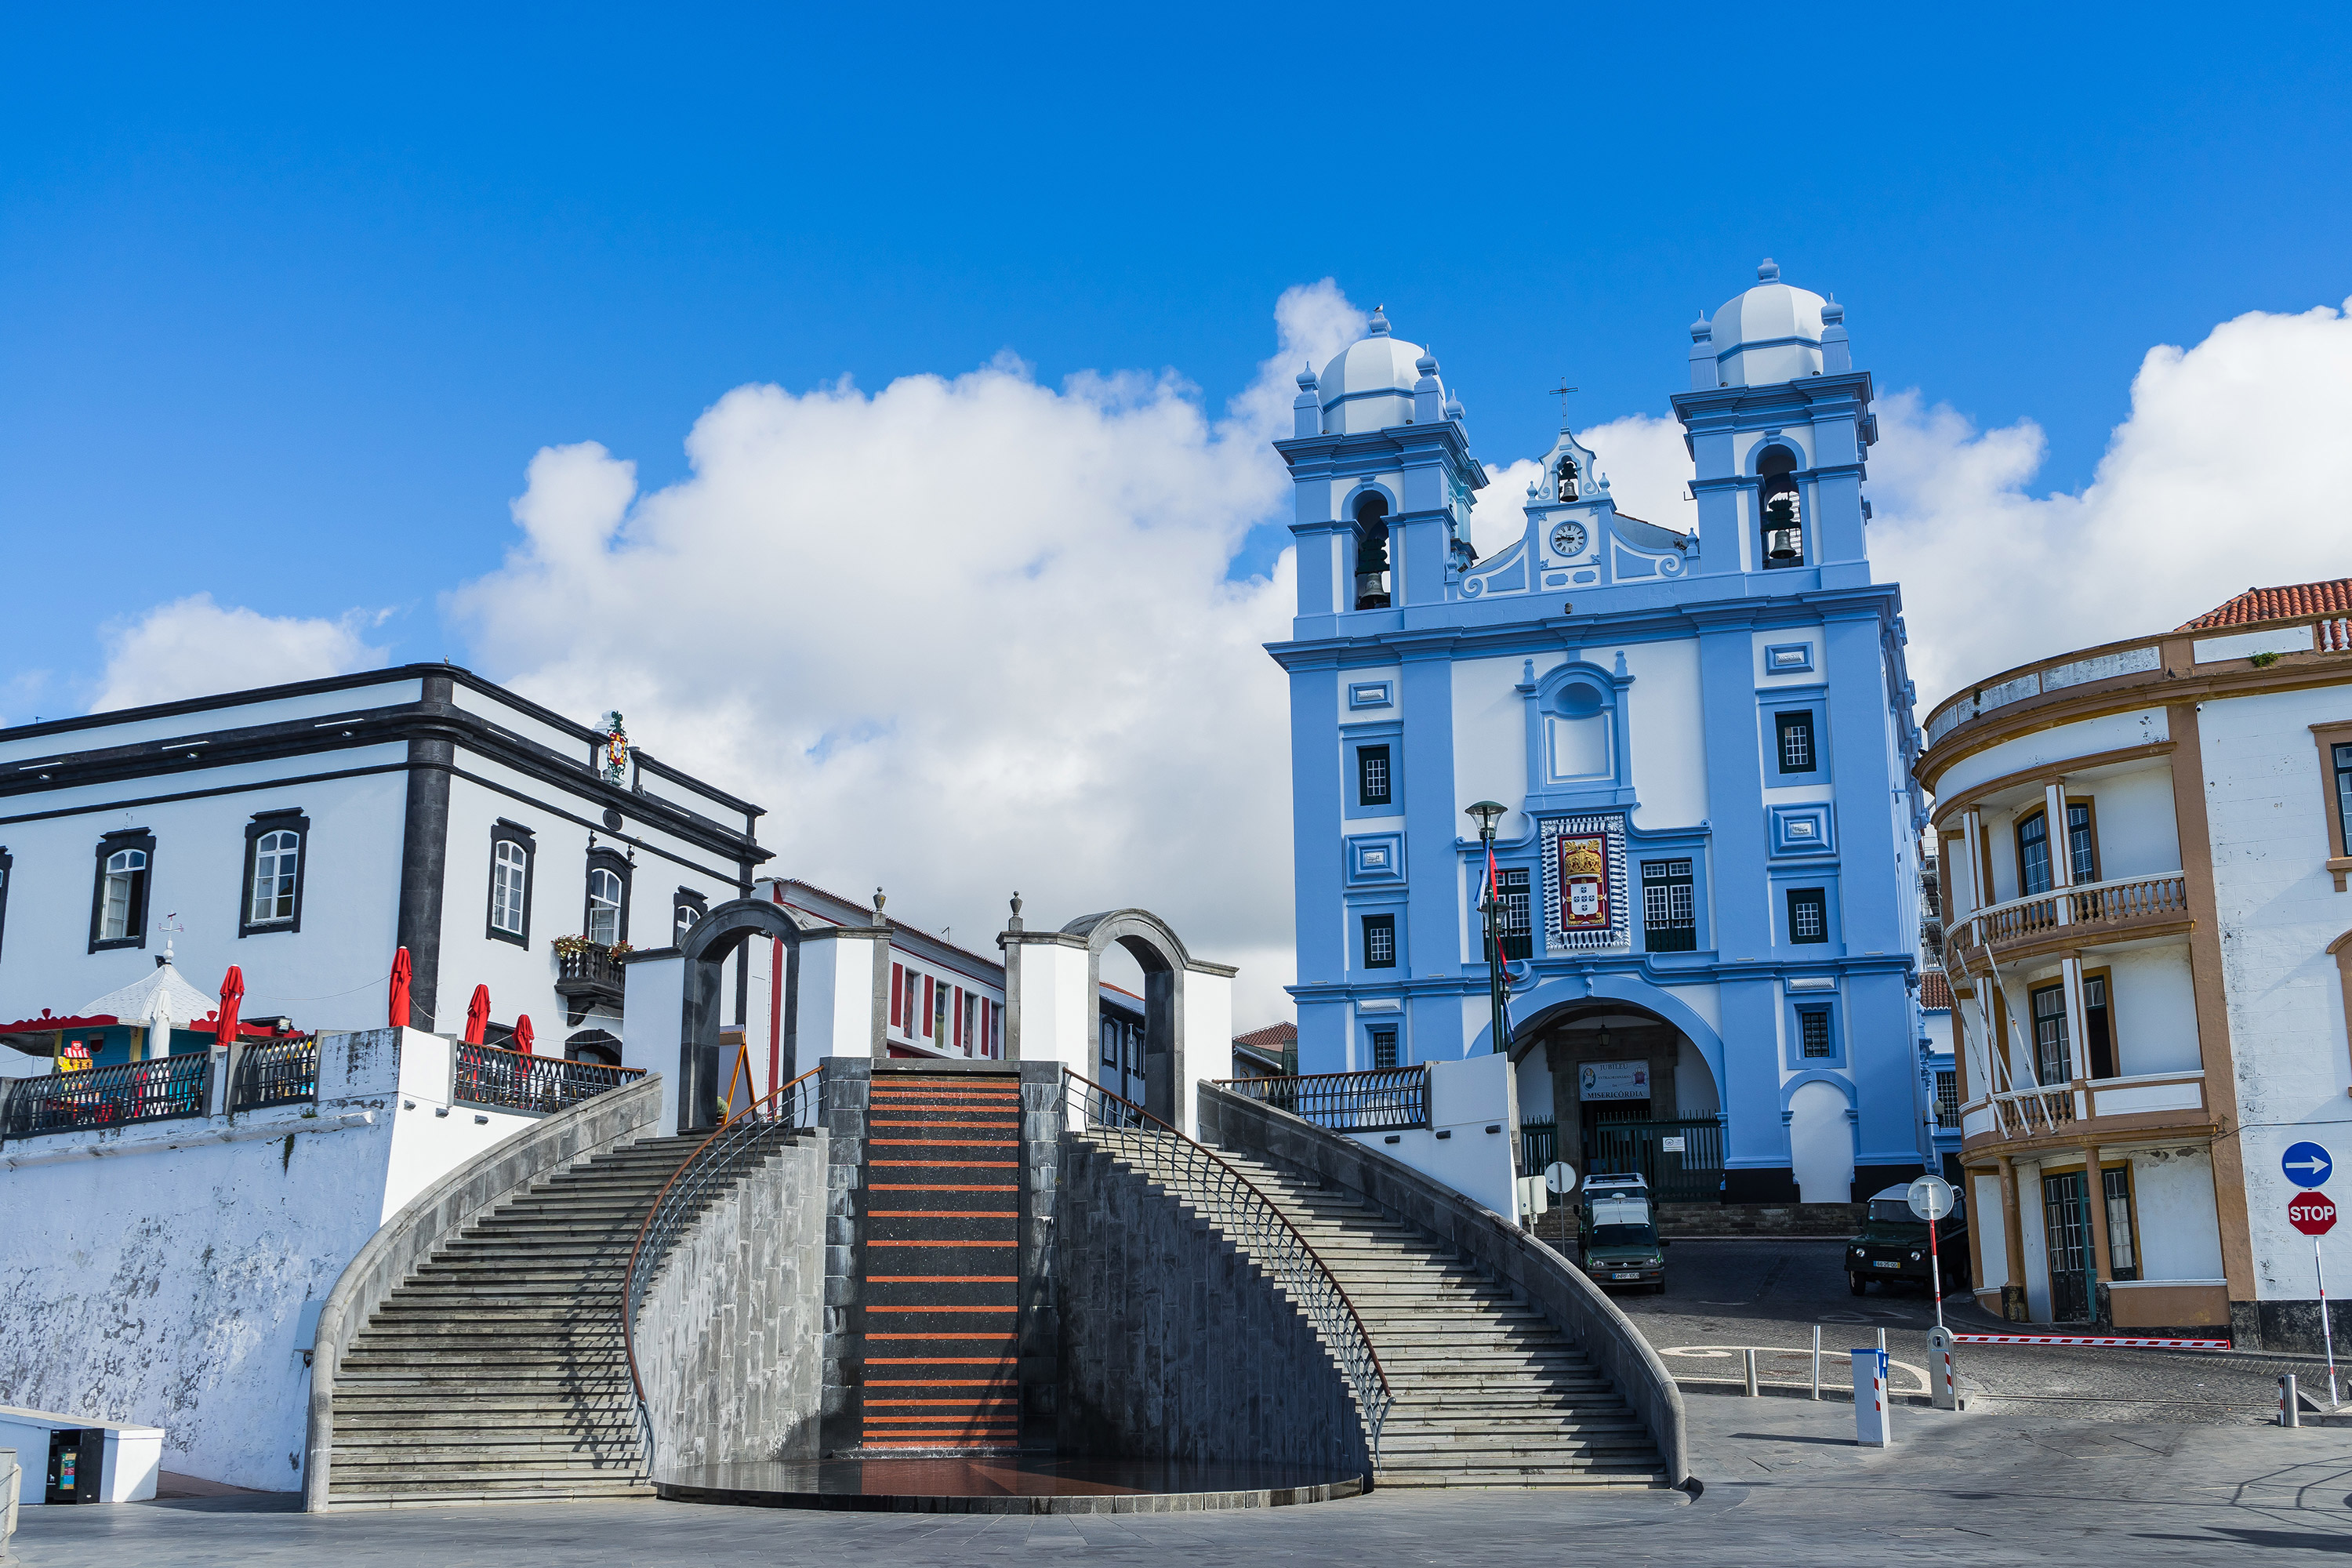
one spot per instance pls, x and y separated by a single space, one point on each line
1626 1092
707 946
1161 954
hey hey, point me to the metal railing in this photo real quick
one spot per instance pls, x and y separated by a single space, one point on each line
591 967
160 1090
2125 900
1229 1201
1383 1099
510 1080
276 1072
733 1147
1690 1174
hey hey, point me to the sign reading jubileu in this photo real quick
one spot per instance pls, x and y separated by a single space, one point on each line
1585 903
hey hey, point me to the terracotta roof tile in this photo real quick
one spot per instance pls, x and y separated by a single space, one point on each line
1272 1037
1935 991
2332 596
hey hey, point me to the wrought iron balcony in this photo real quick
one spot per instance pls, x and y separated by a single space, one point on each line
276 1072
586 977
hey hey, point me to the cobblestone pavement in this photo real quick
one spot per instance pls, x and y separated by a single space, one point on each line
1784 1484
1721 1295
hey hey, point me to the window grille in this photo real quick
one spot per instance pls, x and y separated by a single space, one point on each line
1379 942
1372 776
1795 731
1809 914
1813 1035
1669 909
1384 1048
1513 918
1947 1098
274 858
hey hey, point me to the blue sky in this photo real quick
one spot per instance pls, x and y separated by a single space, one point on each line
288 300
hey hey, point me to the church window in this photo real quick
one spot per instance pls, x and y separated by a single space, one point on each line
1809 914
1794 735
1566 477
1669 912
1813 1033
1782 509
1372 776
1379 942
1384 1048
1372 553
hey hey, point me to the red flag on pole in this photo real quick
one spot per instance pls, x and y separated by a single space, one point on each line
399 1010
478 1014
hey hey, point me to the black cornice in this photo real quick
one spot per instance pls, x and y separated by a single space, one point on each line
361 728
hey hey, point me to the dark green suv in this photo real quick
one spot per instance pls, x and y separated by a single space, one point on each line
1618 1241
1893 1244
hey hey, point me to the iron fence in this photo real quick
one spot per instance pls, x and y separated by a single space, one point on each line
1539 1146
160 1090
513 1081
1384 1099
280 1072
1690 1174
1228 1200
740 1142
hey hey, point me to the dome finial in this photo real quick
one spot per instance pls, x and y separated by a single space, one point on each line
1380 322
1307 378
1769 271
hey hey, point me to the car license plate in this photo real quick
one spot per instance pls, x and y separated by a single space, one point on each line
1625 1275
1883 1263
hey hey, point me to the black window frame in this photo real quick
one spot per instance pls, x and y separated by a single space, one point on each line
688 899
261 824
1385 1040
603 858
2340 755
1784 721
1669 935
1385 924
7 876
503 831
108 845
1366 756
1818 898
1517 919
1806 1018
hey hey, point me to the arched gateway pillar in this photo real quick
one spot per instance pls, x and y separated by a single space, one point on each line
836 1002
1052 1004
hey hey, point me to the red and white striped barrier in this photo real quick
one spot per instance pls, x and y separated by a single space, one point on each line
2089 1340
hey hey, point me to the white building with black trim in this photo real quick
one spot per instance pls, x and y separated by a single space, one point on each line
306 832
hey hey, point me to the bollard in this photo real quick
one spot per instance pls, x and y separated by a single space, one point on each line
1817 1361
2290 1409
1871 1427
1748 1356
1944 1381
1882 1342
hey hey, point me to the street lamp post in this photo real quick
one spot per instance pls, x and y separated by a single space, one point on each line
1488 813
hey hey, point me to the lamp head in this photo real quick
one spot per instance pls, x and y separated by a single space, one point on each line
1487 813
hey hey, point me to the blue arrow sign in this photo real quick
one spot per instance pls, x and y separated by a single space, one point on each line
2306 1165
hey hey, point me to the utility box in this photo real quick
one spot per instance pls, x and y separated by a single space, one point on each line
77 1465
68 1458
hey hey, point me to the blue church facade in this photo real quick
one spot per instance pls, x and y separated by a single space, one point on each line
1709 865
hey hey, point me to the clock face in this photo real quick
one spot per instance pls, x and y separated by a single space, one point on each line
1568 539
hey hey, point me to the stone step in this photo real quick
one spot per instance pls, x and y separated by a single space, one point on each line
421 1496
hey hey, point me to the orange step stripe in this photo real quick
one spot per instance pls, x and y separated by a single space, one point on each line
942 1308
942 1382
879 1122
946 1142
943 1279
931 1243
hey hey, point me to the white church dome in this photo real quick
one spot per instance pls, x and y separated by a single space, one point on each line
1772 333
1368 385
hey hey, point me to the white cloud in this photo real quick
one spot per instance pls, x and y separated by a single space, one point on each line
191 647
2231 471
960 636
1642 458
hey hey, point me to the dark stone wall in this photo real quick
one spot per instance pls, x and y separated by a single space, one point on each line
845 1082
1173 1345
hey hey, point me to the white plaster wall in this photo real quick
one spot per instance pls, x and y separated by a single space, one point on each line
652 1024
330 974
1052 1006
2036 1243
1208 1039
2179 1233
1392 673
1706 1001
2137 830
425 1145
234 716
2152 1003
1820 1144
1490 738
164 1283
482 705
1466 1098
2278 910
1990 1228
1534 1086
1669 744
1696 1092
2108 733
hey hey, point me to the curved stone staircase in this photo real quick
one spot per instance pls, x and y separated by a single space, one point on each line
1486 1393
496 1373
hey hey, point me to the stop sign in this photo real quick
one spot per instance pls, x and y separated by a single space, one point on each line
2313 1214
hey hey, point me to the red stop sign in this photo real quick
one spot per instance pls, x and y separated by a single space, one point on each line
2313 1214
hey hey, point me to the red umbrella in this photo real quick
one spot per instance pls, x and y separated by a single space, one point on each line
399 1019
478 1012
522 1034
232 993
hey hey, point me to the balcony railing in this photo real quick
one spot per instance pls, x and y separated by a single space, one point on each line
278 1072
2099 908
1385 1100
156 1090
510 1080
2077 1108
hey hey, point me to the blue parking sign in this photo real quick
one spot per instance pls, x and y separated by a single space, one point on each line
2306 1165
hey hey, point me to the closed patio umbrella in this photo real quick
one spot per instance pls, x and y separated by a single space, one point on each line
232 993
522 1036
399 1011
478 1014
